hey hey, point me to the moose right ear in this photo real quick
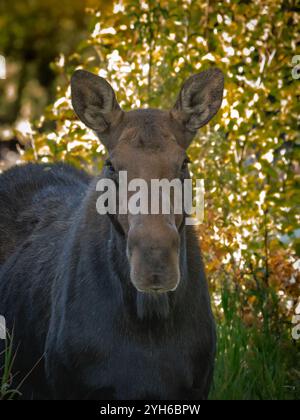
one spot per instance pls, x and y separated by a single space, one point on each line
94 101
199 100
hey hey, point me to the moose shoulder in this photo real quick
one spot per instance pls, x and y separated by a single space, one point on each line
109 306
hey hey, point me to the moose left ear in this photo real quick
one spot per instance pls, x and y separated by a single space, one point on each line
199 100
94 101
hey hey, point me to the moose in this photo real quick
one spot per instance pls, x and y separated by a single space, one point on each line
114 306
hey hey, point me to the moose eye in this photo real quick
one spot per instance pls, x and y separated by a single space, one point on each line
111 172
110 167
185 164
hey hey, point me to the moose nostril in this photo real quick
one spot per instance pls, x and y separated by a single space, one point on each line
156 279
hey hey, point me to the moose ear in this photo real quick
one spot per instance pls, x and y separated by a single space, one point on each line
199 100
94 101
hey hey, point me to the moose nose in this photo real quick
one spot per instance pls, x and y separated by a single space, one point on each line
154 259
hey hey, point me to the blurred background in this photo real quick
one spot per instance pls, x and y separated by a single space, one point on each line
248 155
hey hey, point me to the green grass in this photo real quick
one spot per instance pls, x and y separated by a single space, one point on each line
6 380
255 363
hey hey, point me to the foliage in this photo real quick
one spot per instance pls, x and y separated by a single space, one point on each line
248 156
26 27
253 363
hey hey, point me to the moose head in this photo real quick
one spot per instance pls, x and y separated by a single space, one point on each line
148 144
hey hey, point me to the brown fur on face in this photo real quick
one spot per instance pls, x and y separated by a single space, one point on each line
147 148
149 144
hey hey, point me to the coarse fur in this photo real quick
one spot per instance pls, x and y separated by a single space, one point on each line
81 329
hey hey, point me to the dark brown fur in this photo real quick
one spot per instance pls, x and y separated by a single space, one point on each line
112 306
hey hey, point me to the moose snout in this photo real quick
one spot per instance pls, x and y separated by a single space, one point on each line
154 259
